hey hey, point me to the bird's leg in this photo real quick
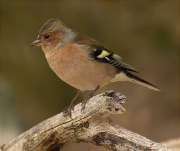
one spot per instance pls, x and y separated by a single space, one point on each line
71 107
83 104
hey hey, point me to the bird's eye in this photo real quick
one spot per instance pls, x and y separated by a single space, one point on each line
46 36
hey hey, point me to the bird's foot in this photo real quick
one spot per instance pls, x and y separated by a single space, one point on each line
83 104
70 108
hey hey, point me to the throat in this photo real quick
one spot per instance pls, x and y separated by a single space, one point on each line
47 55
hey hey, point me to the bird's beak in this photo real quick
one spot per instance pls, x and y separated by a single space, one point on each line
37 42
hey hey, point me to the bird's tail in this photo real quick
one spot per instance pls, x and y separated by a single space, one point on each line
140 81
126 76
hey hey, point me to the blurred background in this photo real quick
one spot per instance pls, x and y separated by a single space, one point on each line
144 33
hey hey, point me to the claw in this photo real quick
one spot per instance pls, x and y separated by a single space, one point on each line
83 104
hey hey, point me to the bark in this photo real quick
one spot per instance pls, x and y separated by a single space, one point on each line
92 125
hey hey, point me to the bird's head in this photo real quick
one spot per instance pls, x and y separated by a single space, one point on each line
50 35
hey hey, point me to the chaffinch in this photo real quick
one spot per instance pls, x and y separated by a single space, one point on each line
81 61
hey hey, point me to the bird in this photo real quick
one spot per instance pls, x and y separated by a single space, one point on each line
81 61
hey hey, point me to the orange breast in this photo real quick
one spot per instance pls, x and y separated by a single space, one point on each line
73 65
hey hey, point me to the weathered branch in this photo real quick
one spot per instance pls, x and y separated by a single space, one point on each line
91 126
